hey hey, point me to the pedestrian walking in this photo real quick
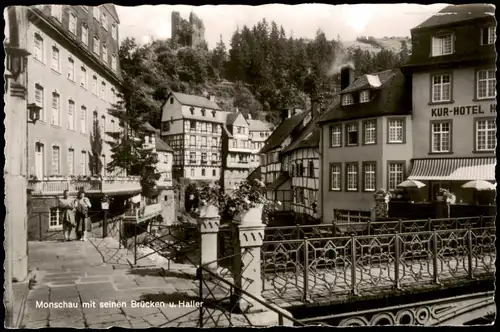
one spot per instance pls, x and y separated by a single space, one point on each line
66 208
82 206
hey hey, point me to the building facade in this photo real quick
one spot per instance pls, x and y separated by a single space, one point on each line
259 132
192 126
452 68
366 143
74 77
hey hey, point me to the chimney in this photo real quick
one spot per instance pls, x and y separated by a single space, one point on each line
346 77
212 98
249 116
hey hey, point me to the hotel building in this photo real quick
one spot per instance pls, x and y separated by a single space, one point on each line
452 69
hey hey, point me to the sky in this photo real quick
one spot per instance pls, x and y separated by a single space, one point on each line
346 21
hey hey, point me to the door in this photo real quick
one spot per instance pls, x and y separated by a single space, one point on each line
39 161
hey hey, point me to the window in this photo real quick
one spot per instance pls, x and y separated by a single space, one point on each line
113 64
214 142
352 177
441 136
396 175
83 163
204 127
347 99
202 112
192 110
335 180
352 134
166 126
488 35
192 172
192 125
192 141
85 34
96 12
486 130
71 161
370 132
441 88
202 172
55 58
103 89
94 122
71 69
369 173
214 128
56 12
83 119
214 158
38 47
396 130
192 157
104 53
94 85
83 77
39 100
213 114
238 129
203 141
55 109
214 172
113 125
104 21
310 168
56 161
104 163
71 115
336 139
72 23
364 96
114 31
486 84
103 124
442 45
96 45
55 219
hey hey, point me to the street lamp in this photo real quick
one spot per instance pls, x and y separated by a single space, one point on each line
16 59
34 112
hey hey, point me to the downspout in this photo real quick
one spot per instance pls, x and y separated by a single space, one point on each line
321 175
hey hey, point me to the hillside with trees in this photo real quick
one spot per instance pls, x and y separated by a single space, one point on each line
262 70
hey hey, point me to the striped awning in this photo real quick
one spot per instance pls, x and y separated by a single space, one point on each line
453 169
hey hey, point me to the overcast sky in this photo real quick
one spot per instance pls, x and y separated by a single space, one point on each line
348 21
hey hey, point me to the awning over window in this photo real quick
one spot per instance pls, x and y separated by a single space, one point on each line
454 169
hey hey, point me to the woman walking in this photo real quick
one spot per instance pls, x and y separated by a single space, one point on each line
82 206
66 207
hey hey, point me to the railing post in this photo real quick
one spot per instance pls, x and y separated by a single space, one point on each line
400 226
470 257
353 265
208 226
297 230
397 258
135 242
120 233
368 223
429 225
481 222
105 225
306 270
334 228
435 257
40 226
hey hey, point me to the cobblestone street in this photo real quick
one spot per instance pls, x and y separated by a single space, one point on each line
82 272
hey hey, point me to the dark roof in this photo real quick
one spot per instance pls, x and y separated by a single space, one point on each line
148 127
160 145
393 98
458 13
231 117
256 174
197 101
367 81
284 130
279 181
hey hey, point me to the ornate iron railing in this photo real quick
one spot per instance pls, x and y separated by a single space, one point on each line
318 268
375 227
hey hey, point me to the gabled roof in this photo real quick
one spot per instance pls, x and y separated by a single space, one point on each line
393 98
283 131
370 81
458 13
148 127
112 9
192 100
255 175
231 118
257 125
160 145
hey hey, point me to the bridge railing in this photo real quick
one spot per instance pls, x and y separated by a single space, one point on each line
276 233
315 269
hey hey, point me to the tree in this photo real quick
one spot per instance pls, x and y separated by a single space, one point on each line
95 162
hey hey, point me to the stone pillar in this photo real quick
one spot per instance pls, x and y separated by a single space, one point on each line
381 209
209 223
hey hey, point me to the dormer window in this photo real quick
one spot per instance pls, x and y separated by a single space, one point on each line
203 112
364 96
192 110
347 99
442 45
213 114
488 35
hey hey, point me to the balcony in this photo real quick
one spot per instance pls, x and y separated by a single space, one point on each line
142 214
238 164
56 186
239 148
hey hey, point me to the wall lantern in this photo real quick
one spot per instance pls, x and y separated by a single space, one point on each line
34 112
16 60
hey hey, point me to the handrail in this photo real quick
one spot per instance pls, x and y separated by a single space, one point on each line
253 297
